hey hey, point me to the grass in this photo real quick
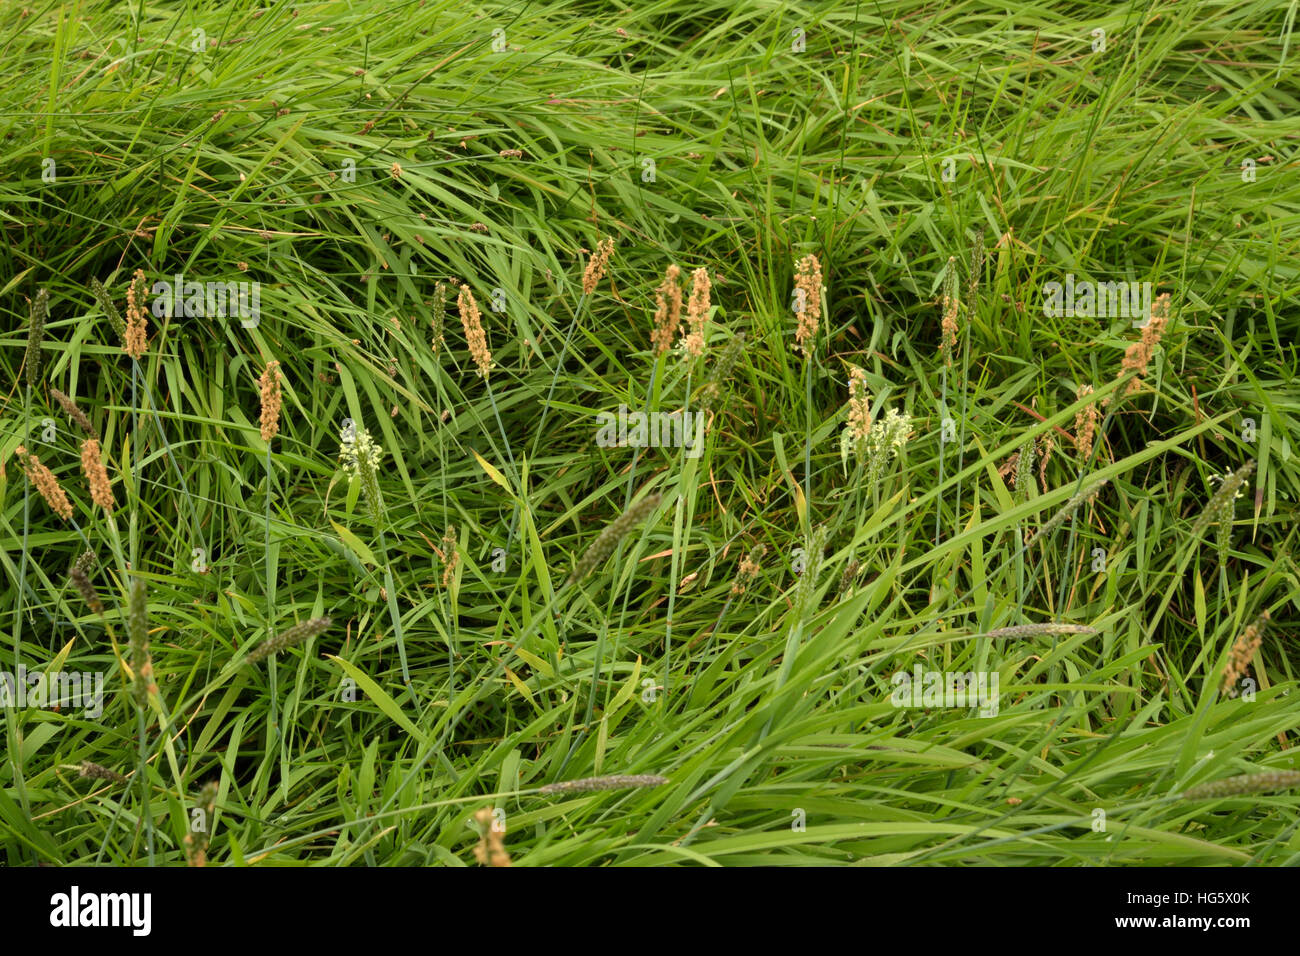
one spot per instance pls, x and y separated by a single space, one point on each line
349 168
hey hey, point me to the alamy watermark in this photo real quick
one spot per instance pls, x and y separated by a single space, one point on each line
652 430
1102 300
927 688
194 300
56 689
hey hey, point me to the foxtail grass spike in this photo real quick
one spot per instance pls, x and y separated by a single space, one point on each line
600 549
95 772
1244 784
1035 630
300 632
81 581
1243 651
108 308
40 311
72 411
618 781
1069 508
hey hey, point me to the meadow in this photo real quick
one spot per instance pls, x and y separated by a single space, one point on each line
598 434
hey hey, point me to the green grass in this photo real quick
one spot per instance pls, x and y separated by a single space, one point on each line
769 711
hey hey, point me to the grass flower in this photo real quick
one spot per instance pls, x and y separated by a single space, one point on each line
101 491
439 316
749 567
81 581
1070 507
108 308
618 781
596 265
710 393
135 339
94 771
270 386
40 310
859 405
474 334
360 457
1035 630
1085 424
72 411
450 557
808 283
600 549
813 557
296 634
1024 472
1138 356
948 334
1244 784
1221 507
668 311
45 483
697 314
1243 651
880 443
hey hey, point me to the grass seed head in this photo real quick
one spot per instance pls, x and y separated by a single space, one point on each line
108 308
45 483
81 581
72 411
808 279
40 311
472 322
196 841
1243 651
596 266
270 386
668 311
1069 508
617 781
1085 424
948 332
491 848
1244 784
697 314
95 772
607 541
749 567
302 631
135 336
101 490
712 390
439 316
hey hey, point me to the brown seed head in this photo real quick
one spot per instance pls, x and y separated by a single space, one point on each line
697 313
808 280
135 339
668 311
72 411
45 483
596 265
474 334
101 491
1243 651
270 382
859 403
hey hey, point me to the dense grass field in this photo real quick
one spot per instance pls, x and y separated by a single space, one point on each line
702 397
